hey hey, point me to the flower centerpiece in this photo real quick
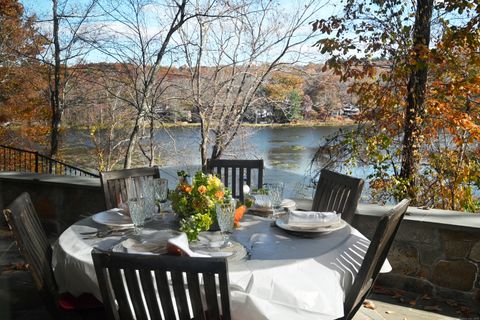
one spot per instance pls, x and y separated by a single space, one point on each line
195 203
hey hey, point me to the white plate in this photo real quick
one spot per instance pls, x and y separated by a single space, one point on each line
284 225
113 218
149 241
286 203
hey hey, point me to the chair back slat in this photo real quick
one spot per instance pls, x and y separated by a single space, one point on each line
147 282
374 258
127 294
234 172
114 183
195 295
164 293
337 192
211 295
224 296
33 244
133 288
180 295
120 296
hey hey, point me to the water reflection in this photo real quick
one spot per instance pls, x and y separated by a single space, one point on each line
287 148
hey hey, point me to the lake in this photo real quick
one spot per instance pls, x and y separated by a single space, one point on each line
289 149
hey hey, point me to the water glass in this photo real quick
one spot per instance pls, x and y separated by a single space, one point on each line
225 217
275 193
136 206
160 187
148 193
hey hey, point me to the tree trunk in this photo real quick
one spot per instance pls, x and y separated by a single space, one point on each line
131 144
203 145
416 94
56 105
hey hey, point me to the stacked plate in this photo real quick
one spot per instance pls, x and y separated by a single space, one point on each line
311 221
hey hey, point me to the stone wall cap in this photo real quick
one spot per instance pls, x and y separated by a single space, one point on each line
435 216
50 178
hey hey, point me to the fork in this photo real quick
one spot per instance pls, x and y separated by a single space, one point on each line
106 233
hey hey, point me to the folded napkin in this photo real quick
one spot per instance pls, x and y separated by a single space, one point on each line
181 242
312 219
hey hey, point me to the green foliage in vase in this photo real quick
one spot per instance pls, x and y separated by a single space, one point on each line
194 224
196 202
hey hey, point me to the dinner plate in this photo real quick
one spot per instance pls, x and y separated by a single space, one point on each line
113 218
281 223
147 242
209 243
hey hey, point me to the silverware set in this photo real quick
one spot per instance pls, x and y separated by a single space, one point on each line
102 233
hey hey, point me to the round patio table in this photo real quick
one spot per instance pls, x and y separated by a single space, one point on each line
285 276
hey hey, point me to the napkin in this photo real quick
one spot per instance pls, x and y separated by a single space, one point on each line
312 219
181 242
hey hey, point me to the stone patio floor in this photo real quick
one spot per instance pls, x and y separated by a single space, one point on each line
19 299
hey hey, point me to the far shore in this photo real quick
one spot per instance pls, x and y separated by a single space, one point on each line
333 122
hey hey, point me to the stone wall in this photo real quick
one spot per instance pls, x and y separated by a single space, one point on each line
435 252
59 200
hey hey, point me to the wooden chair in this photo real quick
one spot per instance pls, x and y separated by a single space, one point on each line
337 192
234 173
154 271
114 183
33 244
374 258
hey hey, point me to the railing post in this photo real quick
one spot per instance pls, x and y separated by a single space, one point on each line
36 161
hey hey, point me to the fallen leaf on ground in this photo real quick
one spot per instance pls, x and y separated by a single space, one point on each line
389 312
426 297
432 308
412 302
369 304
451 303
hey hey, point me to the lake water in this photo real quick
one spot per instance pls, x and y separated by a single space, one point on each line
287 149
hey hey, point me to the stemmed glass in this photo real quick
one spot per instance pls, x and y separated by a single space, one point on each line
160 187
225 217
275 194
136 206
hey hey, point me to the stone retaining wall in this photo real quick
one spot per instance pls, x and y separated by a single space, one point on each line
436 252
59 200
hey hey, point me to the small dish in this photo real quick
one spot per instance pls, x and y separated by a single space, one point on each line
113 218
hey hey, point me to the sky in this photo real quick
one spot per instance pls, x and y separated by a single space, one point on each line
42 9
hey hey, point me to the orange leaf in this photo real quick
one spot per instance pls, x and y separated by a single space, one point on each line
239 212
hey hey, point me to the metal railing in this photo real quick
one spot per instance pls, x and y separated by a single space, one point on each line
14 159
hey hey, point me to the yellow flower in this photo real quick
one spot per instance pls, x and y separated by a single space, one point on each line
214 181
202 189
219 194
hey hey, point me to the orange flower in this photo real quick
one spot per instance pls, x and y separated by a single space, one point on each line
219 194
202 189
188 189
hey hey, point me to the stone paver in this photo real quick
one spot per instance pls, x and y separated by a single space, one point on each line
387 311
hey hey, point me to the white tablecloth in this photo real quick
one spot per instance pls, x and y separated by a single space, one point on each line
286 277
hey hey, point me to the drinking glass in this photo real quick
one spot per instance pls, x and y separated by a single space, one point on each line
160 187
146 191
275 194
225 217
136 206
